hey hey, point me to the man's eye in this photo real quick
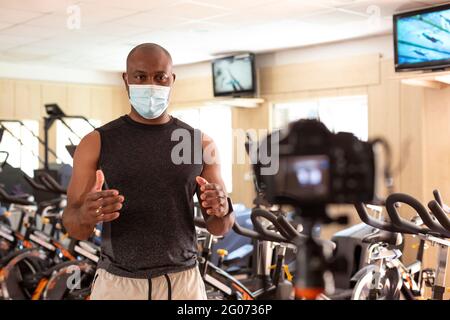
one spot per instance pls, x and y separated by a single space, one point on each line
162 77
140 77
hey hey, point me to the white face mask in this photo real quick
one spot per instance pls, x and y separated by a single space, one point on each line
150 101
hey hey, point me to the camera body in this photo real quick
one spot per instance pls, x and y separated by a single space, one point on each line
316 166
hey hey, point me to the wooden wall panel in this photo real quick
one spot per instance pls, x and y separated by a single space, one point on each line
120 102
338 73
245 119
78 100
437 141
102 104
192 90
6 98
53 93
384 114
412 108
27 100
437 153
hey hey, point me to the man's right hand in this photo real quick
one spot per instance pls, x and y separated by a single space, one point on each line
100 205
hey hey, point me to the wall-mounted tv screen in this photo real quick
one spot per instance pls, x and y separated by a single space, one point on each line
234 76
422 39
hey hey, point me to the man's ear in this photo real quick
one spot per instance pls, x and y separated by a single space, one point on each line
174 77
125 80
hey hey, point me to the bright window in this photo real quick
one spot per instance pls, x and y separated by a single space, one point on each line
66 137
216 123
21 155
349 114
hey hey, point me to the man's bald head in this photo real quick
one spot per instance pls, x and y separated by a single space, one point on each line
151 50
149 63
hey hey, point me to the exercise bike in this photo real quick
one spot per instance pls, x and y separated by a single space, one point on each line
44 269
387 277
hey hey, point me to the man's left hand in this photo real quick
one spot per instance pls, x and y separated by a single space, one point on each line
212 198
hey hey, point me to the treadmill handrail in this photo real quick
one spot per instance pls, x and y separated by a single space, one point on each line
36 185
41 142
2 164
51 183
5 197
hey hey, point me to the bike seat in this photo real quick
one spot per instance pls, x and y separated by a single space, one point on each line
391 238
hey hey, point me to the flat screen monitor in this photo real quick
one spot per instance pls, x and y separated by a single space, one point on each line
422 39
234 75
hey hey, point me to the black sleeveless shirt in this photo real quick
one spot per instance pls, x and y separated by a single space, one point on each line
155 233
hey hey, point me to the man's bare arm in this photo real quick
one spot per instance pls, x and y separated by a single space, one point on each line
213 194
87 204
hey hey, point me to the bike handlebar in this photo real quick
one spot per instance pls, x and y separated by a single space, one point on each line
382 225
288 228
269 235
437 197
440 214
199 222
398 221
246 232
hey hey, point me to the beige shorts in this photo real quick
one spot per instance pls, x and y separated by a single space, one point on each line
185 285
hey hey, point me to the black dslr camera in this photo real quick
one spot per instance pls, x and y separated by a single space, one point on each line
309 165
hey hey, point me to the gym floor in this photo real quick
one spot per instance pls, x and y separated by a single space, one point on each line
193 150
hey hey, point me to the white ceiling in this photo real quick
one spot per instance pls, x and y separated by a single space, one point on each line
36 31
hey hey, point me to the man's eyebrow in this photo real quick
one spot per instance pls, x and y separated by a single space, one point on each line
156 72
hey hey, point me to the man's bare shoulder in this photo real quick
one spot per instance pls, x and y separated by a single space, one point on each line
88 147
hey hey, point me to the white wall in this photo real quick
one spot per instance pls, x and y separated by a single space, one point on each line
379 44
46 73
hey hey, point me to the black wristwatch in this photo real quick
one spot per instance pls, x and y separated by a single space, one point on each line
230 207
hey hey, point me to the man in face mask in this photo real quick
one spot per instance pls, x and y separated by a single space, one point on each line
128 175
